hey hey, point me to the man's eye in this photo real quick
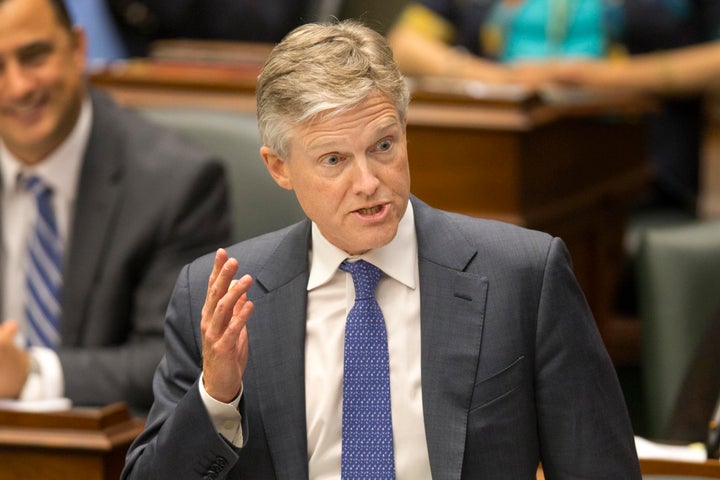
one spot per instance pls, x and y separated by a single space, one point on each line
331 160
35 54
384 145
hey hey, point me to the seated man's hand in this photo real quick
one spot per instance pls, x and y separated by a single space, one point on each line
14 362
224 336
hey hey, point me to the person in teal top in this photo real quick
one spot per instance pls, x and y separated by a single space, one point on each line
541 29
495 40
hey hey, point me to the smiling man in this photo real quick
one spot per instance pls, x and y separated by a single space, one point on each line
99 211
381 338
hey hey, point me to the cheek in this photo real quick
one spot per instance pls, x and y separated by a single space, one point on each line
62 74
65 101
311 194
398 178
66 86
321 202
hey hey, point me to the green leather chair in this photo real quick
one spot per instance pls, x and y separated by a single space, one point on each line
678 283
259 205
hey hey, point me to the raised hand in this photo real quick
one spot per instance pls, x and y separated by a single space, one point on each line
224 336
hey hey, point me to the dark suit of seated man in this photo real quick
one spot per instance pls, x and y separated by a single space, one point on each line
380 338
129 205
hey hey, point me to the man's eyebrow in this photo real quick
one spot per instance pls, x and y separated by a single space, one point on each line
321 144
40 46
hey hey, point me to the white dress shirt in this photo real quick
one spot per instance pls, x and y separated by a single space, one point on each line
331 295
61 171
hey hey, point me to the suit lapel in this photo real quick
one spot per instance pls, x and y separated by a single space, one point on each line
97 197
452 315
278 354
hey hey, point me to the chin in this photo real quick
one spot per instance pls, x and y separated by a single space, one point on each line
370 245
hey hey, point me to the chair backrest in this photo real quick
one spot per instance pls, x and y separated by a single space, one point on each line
678 292
258 204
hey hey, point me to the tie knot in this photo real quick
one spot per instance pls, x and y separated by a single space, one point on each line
35 185
365 277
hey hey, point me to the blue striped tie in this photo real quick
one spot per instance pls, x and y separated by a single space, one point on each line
44 270
367 437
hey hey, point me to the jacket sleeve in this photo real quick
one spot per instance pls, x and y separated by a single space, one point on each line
583 424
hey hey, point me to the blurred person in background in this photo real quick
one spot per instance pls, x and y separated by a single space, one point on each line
99 211
664 47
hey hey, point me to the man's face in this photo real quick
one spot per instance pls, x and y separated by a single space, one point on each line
350 174
41 86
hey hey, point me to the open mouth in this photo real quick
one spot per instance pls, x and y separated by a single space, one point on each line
370 211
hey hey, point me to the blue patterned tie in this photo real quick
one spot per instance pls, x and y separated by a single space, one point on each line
44 270
367 441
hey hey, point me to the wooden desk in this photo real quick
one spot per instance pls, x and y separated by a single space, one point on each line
87 444
566 167
180 84
672 470
708 469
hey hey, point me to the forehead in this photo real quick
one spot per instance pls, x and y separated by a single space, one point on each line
374 114
27 21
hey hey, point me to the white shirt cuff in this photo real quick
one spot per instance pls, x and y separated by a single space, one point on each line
45 380
225 416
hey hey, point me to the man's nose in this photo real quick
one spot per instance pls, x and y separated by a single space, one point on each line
16 82
366 180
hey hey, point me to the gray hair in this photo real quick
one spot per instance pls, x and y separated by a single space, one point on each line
323 69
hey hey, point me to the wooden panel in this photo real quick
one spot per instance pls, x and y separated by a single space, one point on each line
22 464
708 469
464 170
86 443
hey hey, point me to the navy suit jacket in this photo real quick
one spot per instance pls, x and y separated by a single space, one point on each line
148 202
513 369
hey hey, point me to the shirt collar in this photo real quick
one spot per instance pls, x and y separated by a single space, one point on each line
397 259
60 170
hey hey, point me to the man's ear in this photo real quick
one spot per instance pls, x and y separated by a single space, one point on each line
79 40
277 167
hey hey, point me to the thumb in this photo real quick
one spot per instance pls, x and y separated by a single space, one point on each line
8 329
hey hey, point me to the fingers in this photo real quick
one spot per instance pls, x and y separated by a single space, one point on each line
224 269
221 257
224 339
8 329
235 297
229 340
224 302
211 297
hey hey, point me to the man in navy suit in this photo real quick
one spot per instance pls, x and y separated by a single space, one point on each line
133 203
495 362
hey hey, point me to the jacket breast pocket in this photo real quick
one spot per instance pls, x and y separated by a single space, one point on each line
498 385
